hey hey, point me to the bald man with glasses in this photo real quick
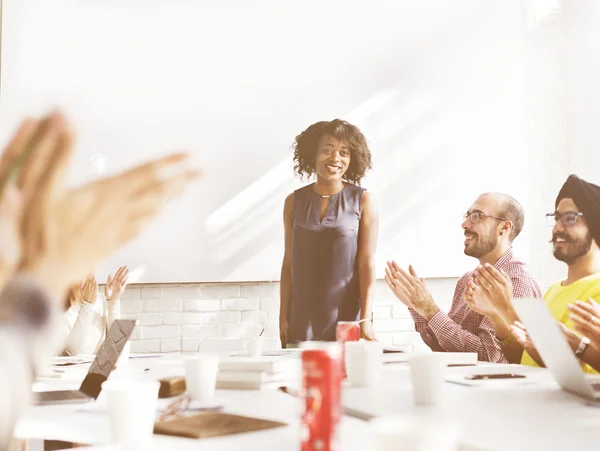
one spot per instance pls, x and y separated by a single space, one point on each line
490 226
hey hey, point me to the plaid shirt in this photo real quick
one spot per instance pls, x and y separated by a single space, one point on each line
464 330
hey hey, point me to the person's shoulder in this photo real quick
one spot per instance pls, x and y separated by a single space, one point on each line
288 205
552 290
366 196
354 188
516 267
366 199
523 281
464 278
300 195
592 286
359 194
358 191
307 189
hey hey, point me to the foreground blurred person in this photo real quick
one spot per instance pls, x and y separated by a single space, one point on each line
51 236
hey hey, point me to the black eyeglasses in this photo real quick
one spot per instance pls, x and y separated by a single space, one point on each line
477 216
568 218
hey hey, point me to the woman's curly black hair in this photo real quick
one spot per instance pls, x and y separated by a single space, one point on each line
305 148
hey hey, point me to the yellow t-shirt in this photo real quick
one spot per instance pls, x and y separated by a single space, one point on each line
558 297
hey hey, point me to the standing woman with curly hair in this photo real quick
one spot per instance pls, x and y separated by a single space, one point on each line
331 226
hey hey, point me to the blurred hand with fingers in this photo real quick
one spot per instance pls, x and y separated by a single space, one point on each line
366 331
115 286
495 288
66 232
586 319
479 300
572 337
74 295
411 290
51 236
10 246
89 289
520 333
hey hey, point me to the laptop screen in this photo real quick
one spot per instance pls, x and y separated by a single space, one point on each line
107 356
552 346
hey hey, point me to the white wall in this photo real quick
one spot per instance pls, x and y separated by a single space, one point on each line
559 92
583 86
436 85
548 153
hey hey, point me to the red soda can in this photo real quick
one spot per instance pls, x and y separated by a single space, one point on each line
321 395
346 331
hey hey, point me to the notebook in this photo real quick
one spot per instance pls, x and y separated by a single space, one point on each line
266 364
213 424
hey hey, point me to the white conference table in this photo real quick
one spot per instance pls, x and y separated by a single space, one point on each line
502 415
86 424
508 415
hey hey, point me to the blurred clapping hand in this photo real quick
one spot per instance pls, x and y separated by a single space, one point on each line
56 234
115 286
51 236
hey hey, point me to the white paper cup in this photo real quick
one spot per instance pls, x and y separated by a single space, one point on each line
364 360
254 345
414 433
201 376
427 376
132 409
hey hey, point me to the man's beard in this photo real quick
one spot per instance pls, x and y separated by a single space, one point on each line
480 246
575 249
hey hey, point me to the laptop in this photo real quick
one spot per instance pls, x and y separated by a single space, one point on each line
554 349
103 364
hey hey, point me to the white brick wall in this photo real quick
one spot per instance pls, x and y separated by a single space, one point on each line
202 306
172 323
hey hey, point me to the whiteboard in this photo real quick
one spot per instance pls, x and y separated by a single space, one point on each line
437 87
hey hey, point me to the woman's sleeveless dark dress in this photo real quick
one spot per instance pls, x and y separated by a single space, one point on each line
324 273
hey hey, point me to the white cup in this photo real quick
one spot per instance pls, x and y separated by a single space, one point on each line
414 433
254 345
201 376
364 360
132 409
427 376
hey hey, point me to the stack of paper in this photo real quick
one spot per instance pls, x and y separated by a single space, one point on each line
71 360
452 358
247 373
